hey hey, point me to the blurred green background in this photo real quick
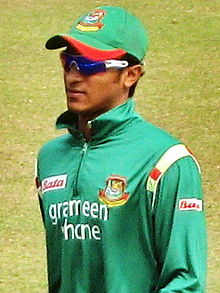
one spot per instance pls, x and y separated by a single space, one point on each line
179 92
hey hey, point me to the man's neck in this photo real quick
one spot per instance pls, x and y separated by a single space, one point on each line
84 127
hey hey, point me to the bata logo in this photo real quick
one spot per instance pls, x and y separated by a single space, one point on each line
53 183
190 204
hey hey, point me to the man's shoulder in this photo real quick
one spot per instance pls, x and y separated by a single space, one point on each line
154 135
55 144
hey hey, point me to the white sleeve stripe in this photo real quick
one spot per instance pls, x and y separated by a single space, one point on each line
172 155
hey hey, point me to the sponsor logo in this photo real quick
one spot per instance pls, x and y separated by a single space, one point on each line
54 183
114 193
67 216
190 204
92 21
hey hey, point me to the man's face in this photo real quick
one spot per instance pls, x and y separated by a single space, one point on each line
92 95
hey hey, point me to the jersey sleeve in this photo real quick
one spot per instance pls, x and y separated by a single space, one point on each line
180 229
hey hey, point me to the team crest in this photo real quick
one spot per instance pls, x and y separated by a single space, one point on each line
92 21
114 193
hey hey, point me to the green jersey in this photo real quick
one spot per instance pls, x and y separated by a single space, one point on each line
116 220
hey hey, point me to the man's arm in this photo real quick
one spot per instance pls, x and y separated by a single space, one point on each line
38 187
180 232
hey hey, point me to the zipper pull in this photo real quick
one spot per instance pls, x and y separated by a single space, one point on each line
84 148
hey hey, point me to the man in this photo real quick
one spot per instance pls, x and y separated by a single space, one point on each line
121 199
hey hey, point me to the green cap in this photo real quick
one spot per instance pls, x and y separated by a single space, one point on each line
106 32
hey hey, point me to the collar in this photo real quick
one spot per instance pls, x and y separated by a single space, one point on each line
103 125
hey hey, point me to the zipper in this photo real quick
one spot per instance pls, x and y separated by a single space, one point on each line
83 153
84 148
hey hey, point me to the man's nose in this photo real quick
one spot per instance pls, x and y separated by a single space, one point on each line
73 74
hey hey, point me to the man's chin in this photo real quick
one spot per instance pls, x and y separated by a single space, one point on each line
76 108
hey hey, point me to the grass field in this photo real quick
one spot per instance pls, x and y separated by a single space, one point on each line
179 92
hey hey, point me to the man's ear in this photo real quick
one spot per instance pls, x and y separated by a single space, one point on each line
132 75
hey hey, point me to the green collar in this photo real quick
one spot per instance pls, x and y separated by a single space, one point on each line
102 126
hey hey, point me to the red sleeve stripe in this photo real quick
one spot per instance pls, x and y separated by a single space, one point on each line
155 173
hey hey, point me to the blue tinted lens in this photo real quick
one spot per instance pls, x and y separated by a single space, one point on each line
84 65
87 66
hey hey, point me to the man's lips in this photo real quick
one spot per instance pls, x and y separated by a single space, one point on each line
71 93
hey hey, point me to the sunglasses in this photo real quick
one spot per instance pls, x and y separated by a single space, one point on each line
87 66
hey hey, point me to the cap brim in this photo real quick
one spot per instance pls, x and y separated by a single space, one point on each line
86 50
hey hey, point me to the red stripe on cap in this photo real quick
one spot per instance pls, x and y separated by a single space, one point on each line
155 173
94 53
